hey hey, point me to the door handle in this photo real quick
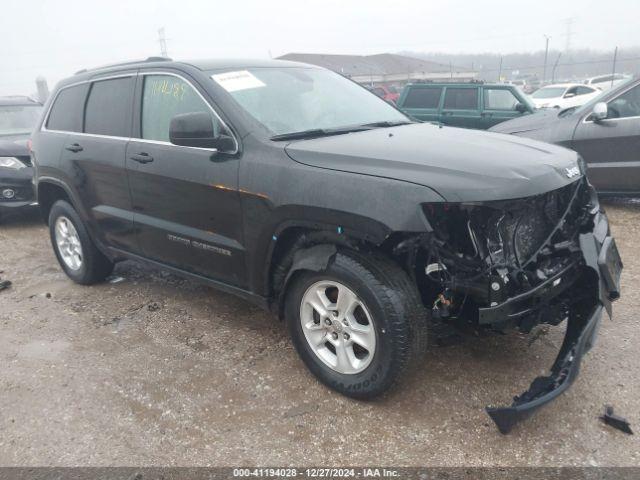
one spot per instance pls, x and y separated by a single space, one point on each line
142 158
486 114
447 113
75 148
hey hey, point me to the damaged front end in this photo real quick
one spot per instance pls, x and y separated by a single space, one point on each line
517 264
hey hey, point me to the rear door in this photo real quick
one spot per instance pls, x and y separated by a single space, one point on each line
95 159
611 147
186 199
104 188
64 117
461 107
498 105
421 102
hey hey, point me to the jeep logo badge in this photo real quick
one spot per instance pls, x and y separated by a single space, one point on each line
572 172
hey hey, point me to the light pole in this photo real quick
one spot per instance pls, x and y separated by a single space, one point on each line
555 65
546 55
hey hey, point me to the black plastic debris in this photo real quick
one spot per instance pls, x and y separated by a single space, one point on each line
615 421
4 284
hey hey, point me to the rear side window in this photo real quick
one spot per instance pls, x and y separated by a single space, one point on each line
66 111
165 96
423 97
584 90
461 99
108 110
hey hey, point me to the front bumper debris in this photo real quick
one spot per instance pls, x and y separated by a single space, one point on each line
601 257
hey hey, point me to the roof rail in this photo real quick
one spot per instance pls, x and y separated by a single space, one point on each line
122 64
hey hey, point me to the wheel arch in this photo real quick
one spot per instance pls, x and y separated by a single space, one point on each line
49 191
303 245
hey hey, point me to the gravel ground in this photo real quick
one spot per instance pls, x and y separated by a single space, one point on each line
156 370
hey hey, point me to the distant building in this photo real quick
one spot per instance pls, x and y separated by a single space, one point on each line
383 68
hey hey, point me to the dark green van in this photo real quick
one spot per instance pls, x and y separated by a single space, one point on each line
468 105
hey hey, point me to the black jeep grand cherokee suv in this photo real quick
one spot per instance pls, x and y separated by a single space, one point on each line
301 191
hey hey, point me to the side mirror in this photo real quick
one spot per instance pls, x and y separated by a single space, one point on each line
521 108
194 129
600 112
569 95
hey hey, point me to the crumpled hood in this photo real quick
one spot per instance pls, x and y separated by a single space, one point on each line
461 165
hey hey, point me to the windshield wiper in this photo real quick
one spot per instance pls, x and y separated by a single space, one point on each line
325 132
318 132
387 123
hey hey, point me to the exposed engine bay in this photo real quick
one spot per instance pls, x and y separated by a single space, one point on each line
478 256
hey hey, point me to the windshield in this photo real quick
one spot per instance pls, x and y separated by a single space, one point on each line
548 92
18 119
288 100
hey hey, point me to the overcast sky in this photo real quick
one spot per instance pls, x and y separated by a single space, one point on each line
56 38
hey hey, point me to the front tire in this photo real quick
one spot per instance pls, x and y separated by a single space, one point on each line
77 254
356 325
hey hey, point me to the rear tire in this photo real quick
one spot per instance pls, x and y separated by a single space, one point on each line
77 254
386 304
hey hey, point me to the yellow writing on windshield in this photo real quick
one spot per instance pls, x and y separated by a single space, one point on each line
165 87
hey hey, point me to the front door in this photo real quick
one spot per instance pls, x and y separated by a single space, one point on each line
498 105
185 200
611 147
461 107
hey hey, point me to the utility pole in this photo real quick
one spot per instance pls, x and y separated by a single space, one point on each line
546 55
500 70
163 42
615 57
553 73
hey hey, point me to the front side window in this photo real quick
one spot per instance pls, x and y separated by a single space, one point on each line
423 97
626 105
297 99
165 96
67 108
461 99
18 119
499 99
108 109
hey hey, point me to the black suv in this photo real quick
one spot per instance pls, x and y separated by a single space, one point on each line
299 190
18 117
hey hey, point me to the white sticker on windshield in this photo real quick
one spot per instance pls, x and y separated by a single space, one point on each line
240 80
